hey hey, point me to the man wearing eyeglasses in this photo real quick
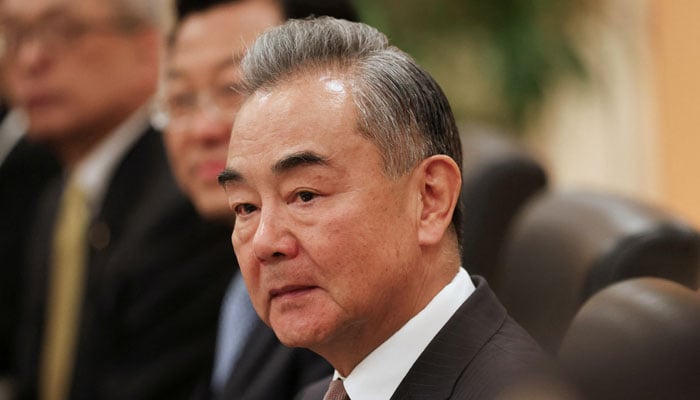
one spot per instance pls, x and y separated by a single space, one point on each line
197 108
124 278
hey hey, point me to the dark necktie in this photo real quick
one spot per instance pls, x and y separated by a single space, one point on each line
336 391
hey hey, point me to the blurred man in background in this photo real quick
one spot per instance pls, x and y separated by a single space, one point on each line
198 106
125 279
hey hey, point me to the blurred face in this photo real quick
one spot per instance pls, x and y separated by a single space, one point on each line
74 67
201 71
326 242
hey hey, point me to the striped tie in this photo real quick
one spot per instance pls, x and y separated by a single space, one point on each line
336 391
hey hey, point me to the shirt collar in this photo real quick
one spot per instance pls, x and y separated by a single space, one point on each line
12 128
375 378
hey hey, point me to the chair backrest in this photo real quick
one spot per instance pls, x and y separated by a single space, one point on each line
637 339
565 246
499 177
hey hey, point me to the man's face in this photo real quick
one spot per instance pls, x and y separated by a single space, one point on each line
204 59
325 240
75 69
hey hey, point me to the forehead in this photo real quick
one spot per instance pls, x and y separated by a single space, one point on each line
221 34
33 9
314 112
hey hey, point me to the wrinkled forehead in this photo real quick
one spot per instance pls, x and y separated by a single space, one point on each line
313 111
301 98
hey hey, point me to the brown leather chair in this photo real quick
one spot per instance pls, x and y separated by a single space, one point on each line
638 339
499 177
565 246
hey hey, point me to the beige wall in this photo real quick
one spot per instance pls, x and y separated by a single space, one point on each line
675 43
601 134
635 128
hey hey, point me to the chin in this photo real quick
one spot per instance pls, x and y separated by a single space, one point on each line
300 332
297 339
47 132
50 123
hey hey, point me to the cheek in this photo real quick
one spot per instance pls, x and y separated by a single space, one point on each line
246 261
241 248
361 246
251 275
242 235
175 146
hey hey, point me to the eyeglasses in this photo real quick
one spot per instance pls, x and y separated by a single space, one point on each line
178 109
58 32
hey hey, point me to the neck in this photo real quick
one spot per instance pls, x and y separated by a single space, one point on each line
346 352
72 151
75 146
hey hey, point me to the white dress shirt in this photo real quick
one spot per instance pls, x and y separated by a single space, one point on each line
12 129
378 376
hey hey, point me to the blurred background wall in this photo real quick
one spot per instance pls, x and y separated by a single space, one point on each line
675 43
604 91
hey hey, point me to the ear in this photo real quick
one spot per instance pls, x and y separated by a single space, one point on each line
440 183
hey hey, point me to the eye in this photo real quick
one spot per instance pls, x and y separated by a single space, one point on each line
306 196
181 103
244 209
67 29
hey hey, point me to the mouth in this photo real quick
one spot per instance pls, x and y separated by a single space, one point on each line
291 291
40 101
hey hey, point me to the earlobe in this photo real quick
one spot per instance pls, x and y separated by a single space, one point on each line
440 180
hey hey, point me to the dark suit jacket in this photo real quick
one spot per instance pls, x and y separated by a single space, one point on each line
155 279
476 355
23 177
267 370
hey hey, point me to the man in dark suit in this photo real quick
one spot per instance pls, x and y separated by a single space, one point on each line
25 168
124 278
197 110
343 175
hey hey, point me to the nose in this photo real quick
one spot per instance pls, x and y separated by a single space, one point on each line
208 126
30 55
273 240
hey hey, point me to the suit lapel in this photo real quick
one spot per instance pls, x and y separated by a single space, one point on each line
133 177
434 374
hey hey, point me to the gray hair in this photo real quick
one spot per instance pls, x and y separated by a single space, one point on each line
400 106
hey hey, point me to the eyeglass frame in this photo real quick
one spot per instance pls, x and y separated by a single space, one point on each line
162 117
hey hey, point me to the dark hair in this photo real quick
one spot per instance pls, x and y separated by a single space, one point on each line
400 106
343 9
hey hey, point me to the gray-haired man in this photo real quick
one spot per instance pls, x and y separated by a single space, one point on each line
343 175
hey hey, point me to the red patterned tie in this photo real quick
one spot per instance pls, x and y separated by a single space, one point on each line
336 391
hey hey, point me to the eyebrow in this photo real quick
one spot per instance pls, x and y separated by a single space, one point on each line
229 175
286 164
295 160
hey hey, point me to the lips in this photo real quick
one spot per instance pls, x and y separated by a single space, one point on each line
291 291
38 101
